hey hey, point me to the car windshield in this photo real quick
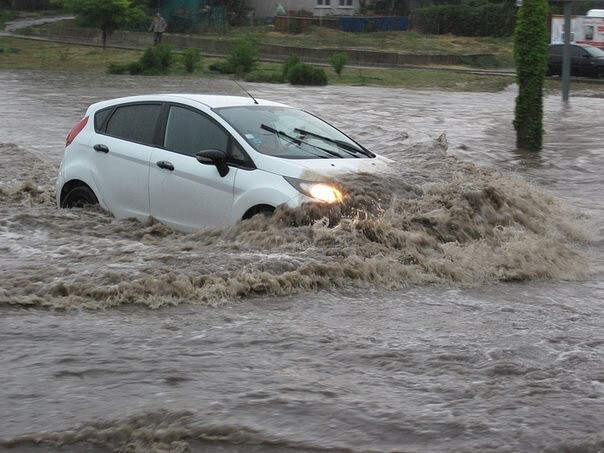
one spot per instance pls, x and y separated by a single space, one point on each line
290 133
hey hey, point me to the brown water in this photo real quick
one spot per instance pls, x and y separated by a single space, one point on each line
454 303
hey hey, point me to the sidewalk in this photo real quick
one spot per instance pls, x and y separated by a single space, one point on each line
13 26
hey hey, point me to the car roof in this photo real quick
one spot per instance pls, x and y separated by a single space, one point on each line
209 100
572 44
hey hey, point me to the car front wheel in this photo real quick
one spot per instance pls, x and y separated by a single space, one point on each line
263 209
78 197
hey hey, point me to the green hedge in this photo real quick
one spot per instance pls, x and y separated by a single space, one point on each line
306 74
155 60
531 53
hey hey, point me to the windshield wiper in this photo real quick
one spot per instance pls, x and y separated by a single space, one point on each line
339 143
297 141
280 133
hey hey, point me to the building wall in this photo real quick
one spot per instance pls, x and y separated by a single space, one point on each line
319 8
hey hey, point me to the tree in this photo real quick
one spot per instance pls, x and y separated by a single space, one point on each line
338 61
531 56
108 15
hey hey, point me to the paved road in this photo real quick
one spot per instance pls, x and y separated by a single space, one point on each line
12 26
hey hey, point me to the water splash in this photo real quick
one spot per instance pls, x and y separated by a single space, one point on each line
430 218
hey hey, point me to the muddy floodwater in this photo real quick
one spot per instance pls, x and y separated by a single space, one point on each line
454 304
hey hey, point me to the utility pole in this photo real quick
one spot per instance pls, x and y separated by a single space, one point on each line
566 51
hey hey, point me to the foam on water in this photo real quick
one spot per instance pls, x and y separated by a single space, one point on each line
431 218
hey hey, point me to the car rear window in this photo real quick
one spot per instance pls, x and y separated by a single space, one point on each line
134 122
100 117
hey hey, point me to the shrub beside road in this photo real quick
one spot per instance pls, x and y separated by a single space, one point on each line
42 53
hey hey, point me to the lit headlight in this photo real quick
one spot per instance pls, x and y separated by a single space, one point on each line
320 191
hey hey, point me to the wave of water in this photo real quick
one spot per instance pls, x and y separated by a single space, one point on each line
432 218
452 304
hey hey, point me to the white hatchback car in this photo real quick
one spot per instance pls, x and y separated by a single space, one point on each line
191 160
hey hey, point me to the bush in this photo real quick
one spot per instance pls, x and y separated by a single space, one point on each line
116 68
191 59
156 59
241 60
265 77
243 57
220 66
289 62
136 68
338 61
305 74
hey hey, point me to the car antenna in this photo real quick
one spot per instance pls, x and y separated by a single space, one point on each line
246 91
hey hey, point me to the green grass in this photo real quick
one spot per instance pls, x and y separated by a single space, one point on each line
31 54
408 78
394 41
41 55
409 42
16 53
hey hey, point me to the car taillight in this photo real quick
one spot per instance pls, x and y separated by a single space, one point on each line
76 130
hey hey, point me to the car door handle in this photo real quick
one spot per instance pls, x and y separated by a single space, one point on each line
165 164
101 148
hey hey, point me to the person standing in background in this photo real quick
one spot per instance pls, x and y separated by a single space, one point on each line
158 26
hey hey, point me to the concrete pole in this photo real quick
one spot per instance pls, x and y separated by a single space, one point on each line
566 50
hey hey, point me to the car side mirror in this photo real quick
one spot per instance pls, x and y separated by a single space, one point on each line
214 157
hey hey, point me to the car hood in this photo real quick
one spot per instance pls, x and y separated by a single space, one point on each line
320 169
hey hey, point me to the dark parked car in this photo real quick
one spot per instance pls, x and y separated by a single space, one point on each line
586 61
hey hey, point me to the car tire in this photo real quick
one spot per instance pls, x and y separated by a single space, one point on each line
264 210
78 197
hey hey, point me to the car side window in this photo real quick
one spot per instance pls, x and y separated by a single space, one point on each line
188 132
134 122
100 118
